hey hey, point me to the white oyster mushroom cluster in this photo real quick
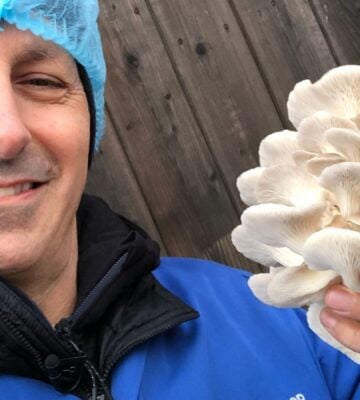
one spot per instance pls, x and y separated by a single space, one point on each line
304 216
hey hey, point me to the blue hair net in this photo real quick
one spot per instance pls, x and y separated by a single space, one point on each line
71 24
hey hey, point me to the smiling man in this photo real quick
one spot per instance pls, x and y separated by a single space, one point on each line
44 142
86 308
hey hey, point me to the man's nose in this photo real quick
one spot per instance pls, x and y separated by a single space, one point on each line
14 136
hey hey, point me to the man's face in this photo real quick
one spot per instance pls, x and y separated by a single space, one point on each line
44 144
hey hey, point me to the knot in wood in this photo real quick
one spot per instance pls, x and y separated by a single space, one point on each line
213 176
132 60
201 49
130 125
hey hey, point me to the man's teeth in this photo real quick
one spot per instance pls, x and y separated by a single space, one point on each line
16 189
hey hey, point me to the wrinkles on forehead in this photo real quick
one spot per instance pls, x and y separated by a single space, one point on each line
39 52
28 48
34 54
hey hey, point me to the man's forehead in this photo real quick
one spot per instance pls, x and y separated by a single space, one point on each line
36 52
25 47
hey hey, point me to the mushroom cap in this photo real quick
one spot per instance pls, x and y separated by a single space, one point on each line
292 287
258 285
283 226
295 287
262 253
289 185
278 148
316 165
311 136
247 183
300 157
298 99
337 92
346 142
343 181
336 249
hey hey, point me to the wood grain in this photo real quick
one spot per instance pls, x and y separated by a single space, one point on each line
112 177
340 21
220 79
193 87
287 42
162 140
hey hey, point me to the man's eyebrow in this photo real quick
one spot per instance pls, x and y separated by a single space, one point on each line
33 55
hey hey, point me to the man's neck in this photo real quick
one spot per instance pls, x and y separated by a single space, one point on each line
57 298
52 286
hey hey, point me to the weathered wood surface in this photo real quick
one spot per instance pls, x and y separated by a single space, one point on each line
221 80
340 21
287 43
161 136
193 86
112 177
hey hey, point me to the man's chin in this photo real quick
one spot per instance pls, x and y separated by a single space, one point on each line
14 266
18 254
17 217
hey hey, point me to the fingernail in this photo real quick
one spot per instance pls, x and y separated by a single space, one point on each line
327 319
339 300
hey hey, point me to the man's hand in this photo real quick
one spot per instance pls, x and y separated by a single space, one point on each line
341 317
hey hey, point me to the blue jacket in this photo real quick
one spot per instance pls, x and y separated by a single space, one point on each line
237 349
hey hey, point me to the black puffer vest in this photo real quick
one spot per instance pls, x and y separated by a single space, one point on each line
119 305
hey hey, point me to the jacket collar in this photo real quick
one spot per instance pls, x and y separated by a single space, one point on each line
103 238
119 305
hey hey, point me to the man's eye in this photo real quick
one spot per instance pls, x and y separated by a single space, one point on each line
45 83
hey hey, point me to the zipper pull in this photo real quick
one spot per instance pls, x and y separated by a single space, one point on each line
52 367
65 373
63 329
95 379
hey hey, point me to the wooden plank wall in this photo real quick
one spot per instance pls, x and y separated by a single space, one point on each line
193 86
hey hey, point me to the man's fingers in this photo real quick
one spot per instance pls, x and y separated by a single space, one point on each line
345 330
343 301
341 317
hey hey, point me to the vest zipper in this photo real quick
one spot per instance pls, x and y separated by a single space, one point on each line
22 339
64 329
35 314
56 365
86 304
72 355
58 349
99 389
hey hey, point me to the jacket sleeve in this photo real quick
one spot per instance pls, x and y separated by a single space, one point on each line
341 374
256 340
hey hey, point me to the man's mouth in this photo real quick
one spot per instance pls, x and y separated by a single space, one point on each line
13 190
